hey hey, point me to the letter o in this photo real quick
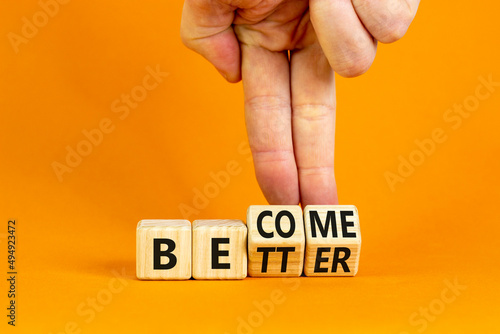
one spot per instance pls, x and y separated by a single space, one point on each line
278 224
43 16
104 297
471 103
139 93
413 158
80 148
258 322
211 190
436 306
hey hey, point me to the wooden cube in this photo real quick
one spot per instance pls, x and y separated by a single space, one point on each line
163 249
219 249
333 240
276 240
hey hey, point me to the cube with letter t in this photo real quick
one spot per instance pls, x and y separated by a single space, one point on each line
333 240
163 249
219 249
276 240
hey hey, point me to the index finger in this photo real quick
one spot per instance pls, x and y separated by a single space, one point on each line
266 83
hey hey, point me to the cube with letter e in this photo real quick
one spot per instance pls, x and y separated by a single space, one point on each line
276 240
219 249
333 240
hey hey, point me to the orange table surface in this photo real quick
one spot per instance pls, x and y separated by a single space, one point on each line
430 255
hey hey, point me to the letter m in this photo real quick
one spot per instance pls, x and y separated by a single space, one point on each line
323 229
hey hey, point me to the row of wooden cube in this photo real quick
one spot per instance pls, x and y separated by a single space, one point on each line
276 241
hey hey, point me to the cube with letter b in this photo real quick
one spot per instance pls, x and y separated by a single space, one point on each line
219 249
333 240
276 240
163 249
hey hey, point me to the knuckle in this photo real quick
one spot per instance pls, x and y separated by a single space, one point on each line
388 20
317 170
313 112
394 31
186 35
270 154
268 103
271 126
356 57
398 20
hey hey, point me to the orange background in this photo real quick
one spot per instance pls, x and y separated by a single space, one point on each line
440 224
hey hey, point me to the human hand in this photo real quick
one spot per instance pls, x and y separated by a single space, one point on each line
290 98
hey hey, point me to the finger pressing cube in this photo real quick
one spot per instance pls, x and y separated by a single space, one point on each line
163 249
276 240
333 240
219 249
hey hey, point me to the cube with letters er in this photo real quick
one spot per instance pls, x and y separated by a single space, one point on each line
276 240
333 240
163 249
219 249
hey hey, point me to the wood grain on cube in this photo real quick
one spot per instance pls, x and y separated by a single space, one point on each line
276 240
333 240
219 249
163 250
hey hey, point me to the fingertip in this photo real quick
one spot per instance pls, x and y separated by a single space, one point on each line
355 64
234 78
281 193
351 71
231 77
318 189
277 177
387 21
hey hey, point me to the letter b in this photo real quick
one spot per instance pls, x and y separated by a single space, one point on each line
94 136
158 254
426 145
51 7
